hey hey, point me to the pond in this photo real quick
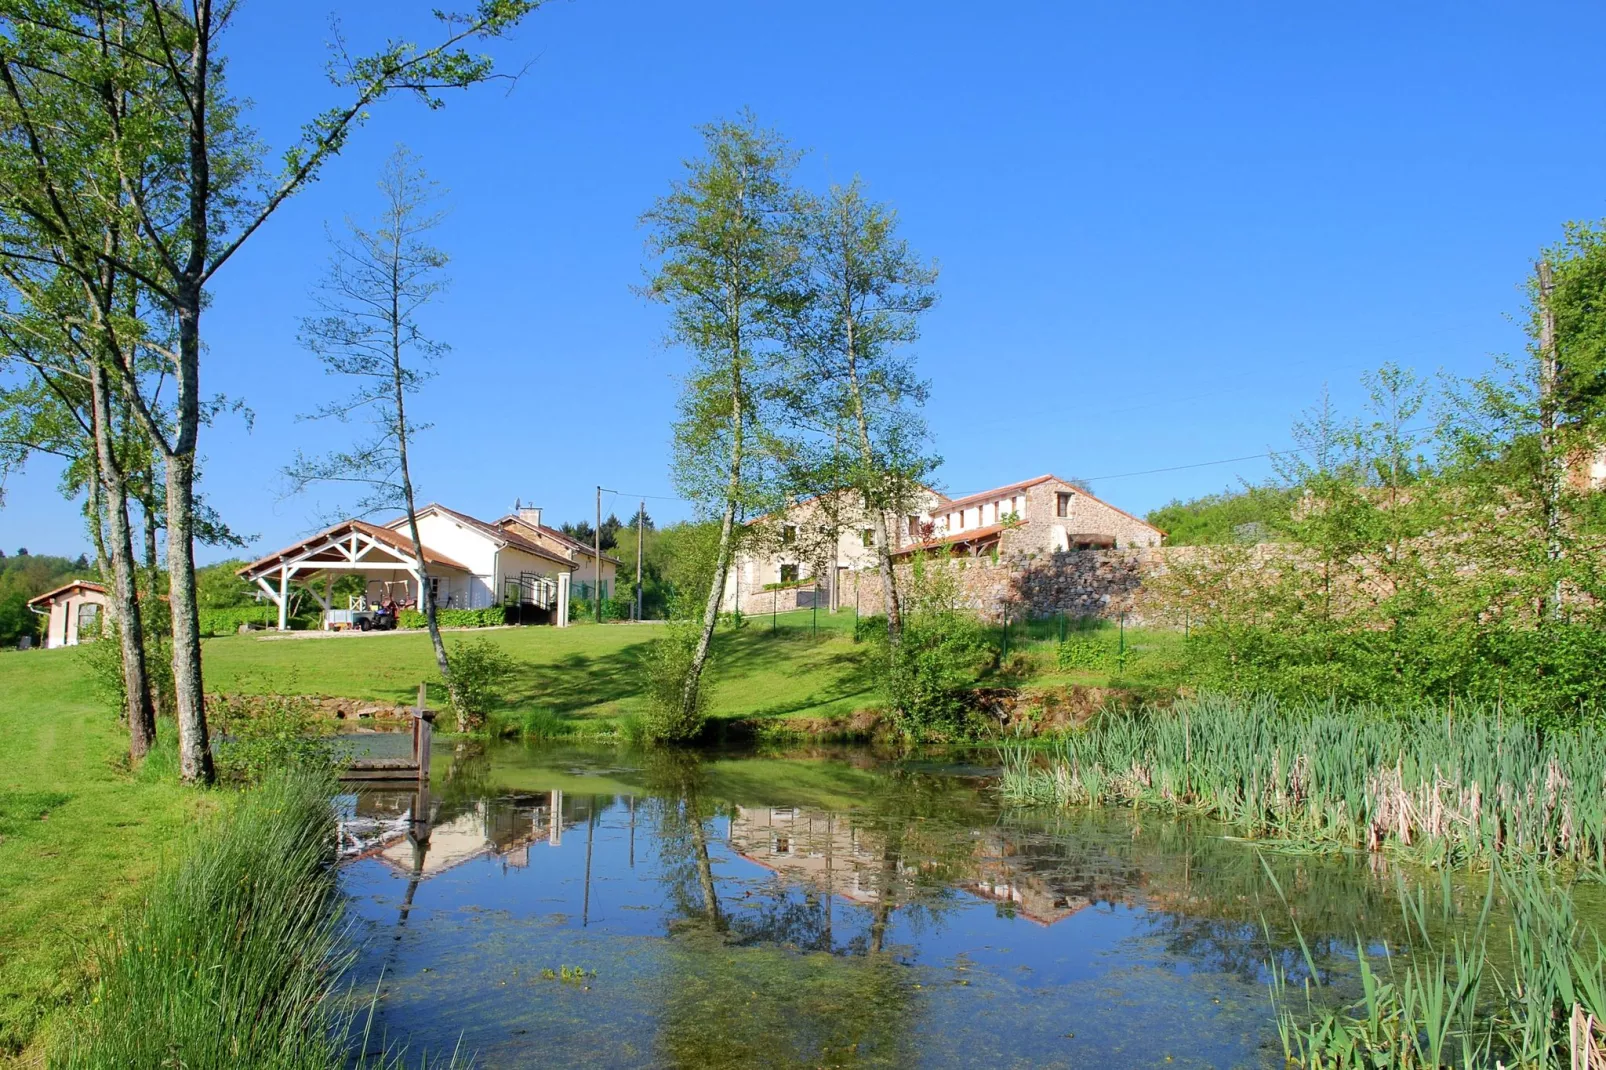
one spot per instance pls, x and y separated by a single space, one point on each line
567 905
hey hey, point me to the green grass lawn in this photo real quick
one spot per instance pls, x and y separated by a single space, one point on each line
587 673
78 833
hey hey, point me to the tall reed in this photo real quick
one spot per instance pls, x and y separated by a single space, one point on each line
1455 787
234 956
1465 1001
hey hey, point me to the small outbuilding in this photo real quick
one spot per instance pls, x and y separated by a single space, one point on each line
74 612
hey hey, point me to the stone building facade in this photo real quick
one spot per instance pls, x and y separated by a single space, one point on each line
822 549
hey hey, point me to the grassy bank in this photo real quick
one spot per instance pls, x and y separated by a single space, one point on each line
230 956
1452 787
79 835
795 666
588 675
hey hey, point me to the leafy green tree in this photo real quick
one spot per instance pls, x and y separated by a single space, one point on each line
1248 515
112 110
858 383
725 245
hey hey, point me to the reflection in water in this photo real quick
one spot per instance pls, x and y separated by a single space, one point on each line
826 911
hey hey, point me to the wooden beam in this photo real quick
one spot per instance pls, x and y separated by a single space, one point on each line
284 598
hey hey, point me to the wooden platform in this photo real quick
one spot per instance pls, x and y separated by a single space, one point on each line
414 767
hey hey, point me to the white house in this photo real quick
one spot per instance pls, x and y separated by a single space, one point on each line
471 565
74 610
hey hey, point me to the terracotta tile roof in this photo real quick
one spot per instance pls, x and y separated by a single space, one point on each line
87 585
390 537
996 492
972 535
553 533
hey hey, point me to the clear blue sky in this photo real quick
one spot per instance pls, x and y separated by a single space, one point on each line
1161 227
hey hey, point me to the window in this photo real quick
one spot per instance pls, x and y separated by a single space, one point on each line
788 573
914 527
788 534
88 618
867 536
1062 504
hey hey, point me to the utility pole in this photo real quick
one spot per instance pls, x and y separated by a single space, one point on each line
1549 422
596 534
641 533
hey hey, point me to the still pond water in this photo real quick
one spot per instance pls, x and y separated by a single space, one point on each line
573 906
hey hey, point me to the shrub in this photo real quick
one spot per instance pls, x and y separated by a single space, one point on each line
489 617
869 629
263 736
537 724
933 671
479 667
1097 651
928 677
665 668
102 661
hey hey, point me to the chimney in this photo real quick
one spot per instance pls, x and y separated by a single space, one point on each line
530 516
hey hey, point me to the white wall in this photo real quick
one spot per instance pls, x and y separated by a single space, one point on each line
62 624
469 548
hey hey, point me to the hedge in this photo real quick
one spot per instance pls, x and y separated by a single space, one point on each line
490 617
228 621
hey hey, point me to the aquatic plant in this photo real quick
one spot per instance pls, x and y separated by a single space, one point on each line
1454 786
1433 1003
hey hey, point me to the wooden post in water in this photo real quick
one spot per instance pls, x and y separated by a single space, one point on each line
422 731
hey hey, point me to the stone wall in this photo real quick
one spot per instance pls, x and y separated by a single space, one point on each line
1077 583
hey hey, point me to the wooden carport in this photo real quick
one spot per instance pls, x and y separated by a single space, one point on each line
352 546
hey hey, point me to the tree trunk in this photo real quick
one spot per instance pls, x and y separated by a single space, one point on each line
194 746
1552 456
705 866
139 709
722 560
426 597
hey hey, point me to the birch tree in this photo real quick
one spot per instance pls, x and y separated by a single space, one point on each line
367 328
111 110
867 291
64 405
725 244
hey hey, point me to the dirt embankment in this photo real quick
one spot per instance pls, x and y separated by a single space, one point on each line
333 707
1025 711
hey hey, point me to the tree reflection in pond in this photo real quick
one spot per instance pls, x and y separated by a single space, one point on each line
832 910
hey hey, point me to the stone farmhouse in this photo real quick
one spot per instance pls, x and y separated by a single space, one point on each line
1042 515
817 548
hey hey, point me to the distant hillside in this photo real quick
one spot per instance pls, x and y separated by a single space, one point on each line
23 575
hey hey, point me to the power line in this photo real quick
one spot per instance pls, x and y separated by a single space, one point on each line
1225 460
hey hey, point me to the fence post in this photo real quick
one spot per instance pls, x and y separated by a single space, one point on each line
1120 657
1005 655
816 604
775 601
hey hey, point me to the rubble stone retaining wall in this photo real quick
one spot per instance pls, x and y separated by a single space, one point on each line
1077 583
